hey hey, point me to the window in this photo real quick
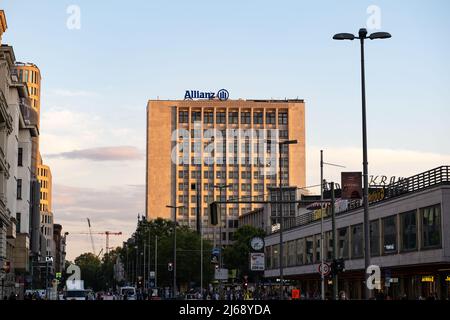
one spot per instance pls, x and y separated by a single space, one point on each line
431 226
221 174
283 134
20 157
18 220
208 117
208 174
329 247
245 117
259 187
233 117
183 117
390 235
19 189
282 118
318 249
246 187
375 238
257 118
220 117
357 241
309 249
275 256
291 253
408 223
233 174
195 174
343 243
196 116
300 251
270 117
246 175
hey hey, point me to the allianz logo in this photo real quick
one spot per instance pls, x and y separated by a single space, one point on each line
222 95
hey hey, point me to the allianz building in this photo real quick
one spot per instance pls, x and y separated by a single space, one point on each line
409 240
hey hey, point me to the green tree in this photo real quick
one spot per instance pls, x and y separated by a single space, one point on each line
237 255
90 267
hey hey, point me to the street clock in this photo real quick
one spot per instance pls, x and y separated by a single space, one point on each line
257 243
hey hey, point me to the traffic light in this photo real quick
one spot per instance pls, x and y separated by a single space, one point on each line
170 266
213 220
140 282
337 266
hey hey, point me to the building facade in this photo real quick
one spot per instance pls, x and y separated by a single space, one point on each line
186 139
409 241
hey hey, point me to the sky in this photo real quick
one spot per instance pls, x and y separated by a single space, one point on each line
99 71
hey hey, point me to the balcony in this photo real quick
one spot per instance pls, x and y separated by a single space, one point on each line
30 116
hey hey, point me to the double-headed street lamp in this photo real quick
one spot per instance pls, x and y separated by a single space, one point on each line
174 291
362 35
280 144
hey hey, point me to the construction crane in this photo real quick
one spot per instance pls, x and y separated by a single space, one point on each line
92 238
106 233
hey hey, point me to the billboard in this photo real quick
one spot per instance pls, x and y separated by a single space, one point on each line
351 185
257 261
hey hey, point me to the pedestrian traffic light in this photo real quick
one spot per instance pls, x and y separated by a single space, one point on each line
213 214
170 266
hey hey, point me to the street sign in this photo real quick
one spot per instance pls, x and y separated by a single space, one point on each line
324 268
221 274
49 259
257 261
152 275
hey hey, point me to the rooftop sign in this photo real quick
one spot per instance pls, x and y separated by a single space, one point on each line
222 95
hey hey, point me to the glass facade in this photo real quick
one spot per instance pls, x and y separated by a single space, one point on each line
408 223
357 241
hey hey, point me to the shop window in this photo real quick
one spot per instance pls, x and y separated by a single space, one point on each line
408 223
431 226
357 241
343 243
375 238
390 235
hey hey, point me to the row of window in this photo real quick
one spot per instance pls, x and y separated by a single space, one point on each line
233 117
43 172
408 231
28 76
231 212
43 207
184 174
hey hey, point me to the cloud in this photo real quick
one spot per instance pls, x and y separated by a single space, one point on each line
118 153
113 209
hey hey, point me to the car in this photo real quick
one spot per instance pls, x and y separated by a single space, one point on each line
128 293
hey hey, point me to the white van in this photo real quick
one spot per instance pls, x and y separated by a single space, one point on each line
76 295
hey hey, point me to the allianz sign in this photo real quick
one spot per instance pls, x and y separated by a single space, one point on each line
222 95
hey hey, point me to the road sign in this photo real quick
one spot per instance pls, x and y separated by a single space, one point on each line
221 274
152 275
257 261
324 268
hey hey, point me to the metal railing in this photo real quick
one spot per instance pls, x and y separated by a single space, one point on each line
416 183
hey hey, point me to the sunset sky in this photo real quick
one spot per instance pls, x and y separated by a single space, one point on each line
97 80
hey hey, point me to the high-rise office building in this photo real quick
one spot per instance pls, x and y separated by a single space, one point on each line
180 138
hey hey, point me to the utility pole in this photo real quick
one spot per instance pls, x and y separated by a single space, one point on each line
156 261
322 275
333 226
174 291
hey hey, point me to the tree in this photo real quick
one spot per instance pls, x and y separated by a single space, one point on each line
90 267
237 255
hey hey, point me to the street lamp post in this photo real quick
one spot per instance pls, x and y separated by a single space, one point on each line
174 291
281 143
362 35
221 187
